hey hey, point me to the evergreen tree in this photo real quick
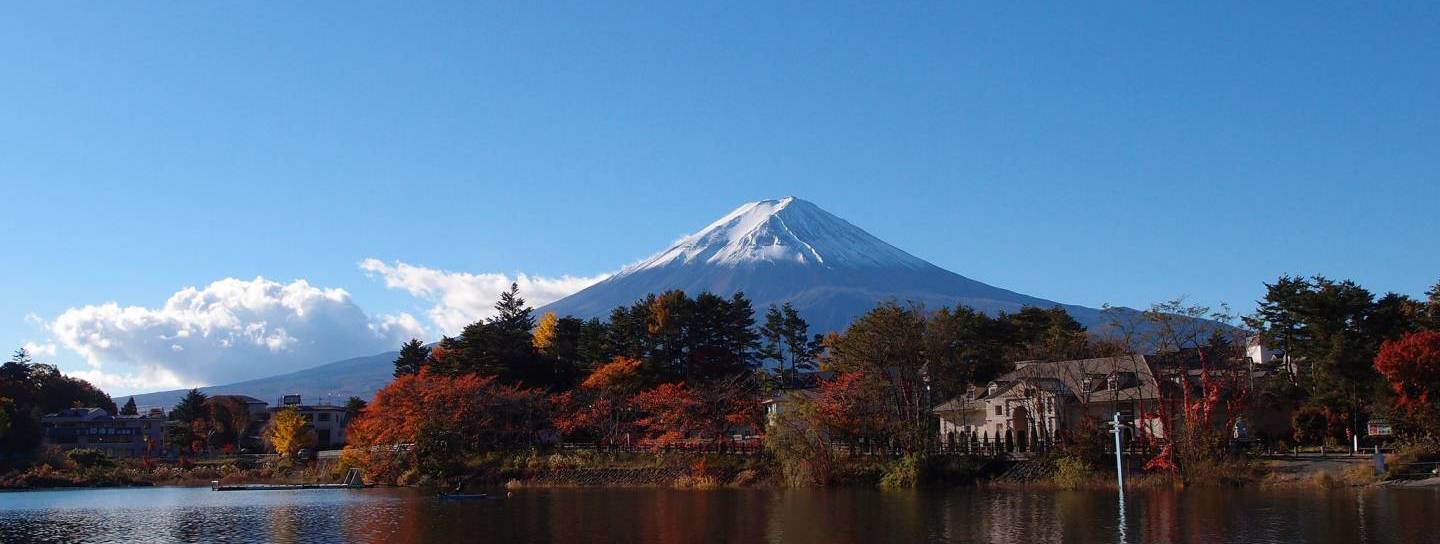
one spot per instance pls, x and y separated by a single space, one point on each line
1431 317
353 407
130 409
772 339
512 315
785 338
190 408
412 357
798 341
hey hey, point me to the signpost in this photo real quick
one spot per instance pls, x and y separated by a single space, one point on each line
1119 431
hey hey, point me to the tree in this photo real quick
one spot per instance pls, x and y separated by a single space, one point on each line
786 340
1330 332
852 407
187 429
228 420
7 406
413 355
190 408
888 343
36 389
445 417
544 337
288 432
601 405
129 409
1410 365
353 407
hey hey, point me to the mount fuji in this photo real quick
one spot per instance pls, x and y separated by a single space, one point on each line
790 250
775 251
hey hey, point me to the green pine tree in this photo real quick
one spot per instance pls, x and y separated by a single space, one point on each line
412 356
130 409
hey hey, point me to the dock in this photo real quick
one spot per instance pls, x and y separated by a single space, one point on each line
352 481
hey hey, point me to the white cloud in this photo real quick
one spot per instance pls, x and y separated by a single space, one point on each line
47 349
461 298
227 331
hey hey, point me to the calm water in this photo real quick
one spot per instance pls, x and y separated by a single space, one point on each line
664 516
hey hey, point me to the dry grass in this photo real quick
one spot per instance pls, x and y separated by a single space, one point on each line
700 483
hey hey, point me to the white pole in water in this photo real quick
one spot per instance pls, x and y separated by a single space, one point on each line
1119 453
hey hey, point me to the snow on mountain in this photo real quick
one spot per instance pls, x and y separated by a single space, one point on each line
784 230
790 250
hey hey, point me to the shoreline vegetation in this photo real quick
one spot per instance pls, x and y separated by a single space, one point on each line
703 472
703 395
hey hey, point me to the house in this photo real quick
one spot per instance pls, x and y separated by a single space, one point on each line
328 421
1038 400
801 387
94 428
259 412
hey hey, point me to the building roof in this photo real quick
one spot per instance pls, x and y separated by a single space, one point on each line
1069 378
77 414
247 399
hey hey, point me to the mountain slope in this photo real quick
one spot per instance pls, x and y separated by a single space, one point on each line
333 383
790 250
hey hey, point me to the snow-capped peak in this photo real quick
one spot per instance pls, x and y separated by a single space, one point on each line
786 230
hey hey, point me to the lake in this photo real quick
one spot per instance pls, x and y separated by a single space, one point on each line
732 515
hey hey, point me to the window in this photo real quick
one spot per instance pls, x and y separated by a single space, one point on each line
999 411
324 417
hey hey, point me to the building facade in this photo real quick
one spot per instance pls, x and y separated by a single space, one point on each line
328 421
117 436
1038 401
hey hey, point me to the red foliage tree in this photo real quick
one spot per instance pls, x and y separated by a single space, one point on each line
852 405
601 405
674 413
1411 366
474 412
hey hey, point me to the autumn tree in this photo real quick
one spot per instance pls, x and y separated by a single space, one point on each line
413 355
228 420
1410 365
444 417
673 413
601 404
544 336
888 343
288 432
851 407
36 389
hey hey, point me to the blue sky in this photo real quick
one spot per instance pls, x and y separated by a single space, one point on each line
1123 155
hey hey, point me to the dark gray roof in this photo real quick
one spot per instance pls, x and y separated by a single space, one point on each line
1068 378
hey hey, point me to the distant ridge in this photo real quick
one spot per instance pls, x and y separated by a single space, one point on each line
333 383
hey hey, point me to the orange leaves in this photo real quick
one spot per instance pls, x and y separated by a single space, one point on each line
621 374
476 407
1411 366
852 404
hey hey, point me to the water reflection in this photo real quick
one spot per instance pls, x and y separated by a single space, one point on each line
668 516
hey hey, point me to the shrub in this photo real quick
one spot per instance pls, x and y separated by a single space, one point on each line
1073 472
901 473
88 458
